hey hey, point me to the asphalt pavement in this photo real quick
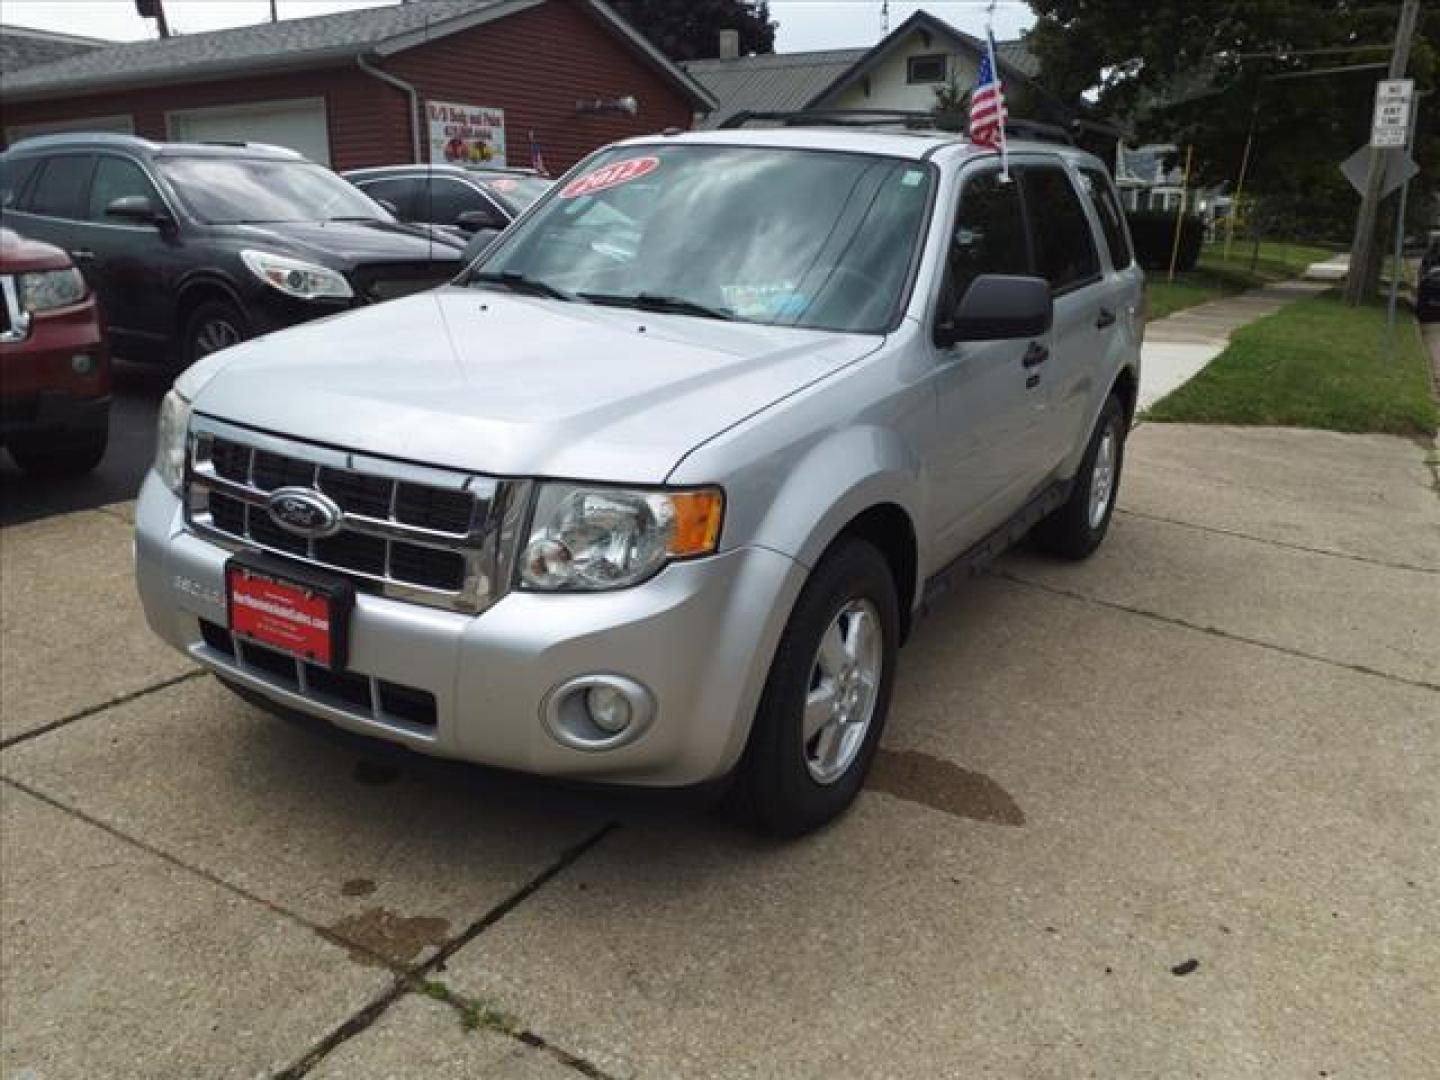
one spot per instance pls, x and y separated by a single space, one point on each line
137 394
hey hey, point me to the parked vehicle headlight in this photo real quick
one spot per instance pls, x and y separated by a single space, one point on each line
586 539
46 290
171 440
296 278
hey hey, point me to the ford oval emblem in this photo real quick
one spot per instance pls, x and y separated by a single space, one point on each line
304 512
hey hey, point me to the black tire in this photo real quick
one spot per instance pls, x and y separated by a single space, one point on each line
1069 531
775 789
60 453
214 325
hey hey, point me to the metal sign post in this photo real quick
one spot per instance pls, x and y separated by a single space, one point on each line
1397 267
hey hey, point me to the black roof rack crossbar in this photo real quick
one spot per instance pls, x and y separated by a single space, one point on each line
908 119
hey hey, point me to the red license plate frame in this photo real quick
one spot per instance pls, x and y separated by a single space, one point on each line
289 609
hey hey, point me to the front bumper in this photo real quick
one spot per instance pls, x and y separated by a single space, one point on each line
699 636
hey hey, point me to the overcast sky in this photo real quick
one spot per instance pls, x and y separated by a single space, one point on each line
804 24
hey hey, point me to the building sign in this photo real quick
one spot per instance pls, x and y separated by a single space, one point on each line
466 134
1392 112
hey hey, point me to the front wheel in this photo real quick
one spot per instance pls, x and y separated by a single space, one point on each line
1075 529
56 454
827 695
214 325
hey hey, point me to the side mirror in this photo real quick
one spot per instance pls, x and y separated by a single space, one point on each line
999 306
481 240
139 209
474 220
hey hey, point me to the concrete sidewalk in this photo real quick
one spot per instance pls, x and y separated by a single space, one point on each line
1178 346
1169 812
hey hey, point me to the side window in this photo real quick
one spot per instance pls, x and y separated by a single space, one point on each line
13 174
116 178
1064 249
1112 221
989 236
59 190
401 192
451 198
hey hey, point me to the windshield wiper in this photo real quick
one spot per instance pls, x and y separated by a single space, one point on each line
353 217
673 305
518 282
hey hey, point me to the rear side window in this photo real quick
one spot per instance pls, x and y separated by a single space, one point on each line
401 192
60 189
116 178
1112 222
13 174
1065 252
989 236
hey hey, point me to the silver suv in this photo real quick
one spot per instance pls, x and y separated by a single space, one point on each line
655 490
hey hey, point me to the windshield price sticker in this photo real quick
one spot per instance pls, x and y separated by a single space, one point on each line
609 176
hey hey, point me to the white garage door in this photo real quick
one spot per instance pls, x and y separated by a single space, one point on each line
300 125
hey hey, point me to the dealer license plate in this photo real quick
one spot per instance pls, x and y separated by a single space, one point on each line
300 614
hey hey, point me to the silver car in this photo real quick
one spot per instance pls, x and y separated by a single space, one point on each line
653 493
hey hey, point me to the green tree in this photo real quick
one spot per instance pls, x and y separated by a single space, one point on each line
690 29
1201 72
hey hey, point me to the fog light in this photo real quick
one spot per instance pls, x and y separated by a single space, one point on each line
598 712
82 364
608 709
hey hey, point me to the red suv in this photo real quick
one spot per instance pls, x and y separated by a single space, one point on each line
54 366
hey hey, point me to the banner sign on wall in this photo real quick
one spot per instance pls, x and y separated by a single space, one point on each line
466 134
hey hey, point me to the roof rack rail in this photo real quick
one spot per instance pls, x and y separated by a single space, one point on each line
911 120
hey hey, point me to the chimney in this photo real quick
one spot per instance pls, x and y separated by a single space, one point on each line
729 44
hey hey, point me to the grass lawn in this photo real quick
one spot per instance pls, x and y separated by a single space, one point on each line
1314 363
1214 277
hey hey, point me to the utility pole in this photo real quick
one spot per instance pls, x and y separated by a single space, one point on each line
1364 267
274 15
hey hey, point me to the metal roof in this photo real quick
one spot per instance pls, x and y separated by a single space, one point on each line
22 47
775 82
294 43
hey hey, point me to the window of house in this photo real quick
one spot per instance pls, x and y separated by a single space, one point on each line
1065 253
1112 221
925 69
989 236
116 178
59 190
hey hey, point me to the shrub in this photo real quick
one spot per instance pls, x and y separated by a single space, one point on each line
1154 234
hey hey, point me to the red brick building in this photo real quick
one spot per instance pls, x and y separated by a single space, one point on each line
377 87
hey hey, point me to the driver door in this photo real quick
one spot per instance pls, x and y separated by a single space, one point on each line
989 452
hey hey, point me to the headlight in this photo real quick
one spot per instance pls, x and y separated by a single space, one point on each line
296 278
585 539
171 432
48 289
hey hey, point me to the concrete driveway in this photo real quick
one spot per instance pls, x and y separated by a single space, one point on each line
1172 812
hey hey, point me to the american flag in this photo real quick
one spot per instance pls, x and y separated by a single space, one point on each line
537 161
987 103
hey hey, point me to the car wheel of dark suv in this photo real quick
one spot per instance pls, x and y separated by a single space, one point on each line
214 325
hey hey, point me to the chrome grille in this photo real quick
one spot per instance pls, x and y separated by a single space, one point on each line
427 535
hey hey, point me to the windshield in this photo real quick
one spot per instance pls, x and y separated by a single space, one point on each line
784 237
517 192
231 191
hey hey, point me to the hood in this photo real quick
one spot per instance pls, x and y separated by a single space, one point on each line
19 254
354 242
496 383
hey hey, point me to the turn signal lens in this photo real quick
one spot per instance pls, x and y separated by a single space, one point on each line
697 523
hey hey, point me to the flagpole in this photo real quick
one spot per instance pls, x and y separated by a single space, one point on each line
995 73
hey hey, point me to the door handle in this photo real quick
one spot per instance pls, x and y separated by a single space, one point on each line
1035 355
1106 318
82 254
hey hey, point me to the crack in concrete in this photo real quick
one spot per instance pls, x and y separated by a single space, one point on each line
1278 543
91 710
199 871
1172 620
412 979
